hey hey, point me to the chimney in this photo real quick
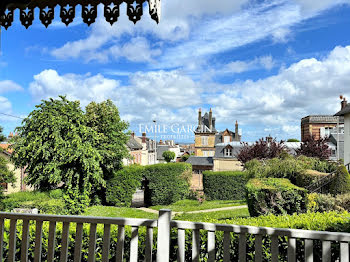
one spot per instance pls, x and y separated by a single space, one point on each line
144 137
161 142
211 120
200 117
343 103
133 134
269 139
236 131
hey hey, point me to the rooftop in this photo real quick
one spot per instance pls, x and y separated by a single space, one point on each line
344 111
200 161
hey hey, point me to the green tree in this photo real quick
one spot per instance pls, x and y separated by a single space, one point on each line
6 175
293 140
168 156
56 146
105 120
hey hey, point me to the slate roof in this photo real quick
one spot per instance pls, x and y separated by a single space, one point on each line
200 161
133 144
205 122
344 111
321 119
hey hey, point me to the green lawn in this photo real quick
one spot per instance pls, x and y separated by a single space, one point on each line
194 205
218 215
107 211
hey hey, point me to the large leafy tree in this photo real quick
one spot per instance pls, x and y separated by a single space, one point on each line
168 156
56 146
104 119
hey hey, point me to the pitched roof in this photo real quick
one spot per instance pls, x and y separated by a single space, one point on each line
321 119
160 150
133 144
344 111
200 161
5 148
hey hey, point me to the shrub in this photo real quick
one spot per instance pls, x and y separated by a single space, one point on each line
43 201
321 202
308 177
343 202
166 183
261 149
123 185
168 156
224 185
341 182
274 195
312 147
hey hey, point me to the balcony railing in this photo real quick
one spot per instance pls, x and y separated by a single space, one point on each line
14 250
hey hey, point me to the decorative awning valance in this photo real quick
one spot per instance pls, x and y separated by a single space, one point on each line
67 10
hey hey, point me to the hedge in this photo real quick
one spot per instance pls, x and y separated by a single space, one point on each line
341 182
123 185
332 221
308 177
50 202
166 183
224 185
274 196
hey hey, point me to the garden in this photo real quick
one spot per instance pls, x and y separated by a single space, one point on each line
81 172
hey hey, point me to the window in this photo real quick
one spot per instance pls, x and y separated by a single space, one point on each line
204 140
227 152
227 139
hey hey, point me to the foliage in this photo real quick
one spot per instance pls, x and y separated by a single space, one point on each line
293 140
261 149
185 157
104 119
56 146
274 196
123 185
228 185
166 183
2 137
168 156
296 169
312 147
50 202
321 202
341 182
6 177
188 205
307 177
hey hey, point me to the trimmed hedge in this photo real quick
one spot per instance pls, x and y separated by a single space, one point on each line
332 221
274 196
123 185
308 177
341 182
50 202
167 183
224 185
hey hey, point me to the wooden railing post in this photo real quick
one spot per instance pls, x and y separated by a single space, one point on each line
163 239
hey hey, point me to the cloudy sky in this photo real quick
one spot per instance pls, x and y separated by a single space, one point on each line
266 64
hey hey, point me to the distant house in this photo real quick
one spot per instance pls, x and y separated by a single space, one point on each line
20 175
135 150
345 112
168 145
200 164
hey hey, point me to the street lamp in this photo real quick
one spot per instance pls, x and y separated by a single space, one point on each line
155 141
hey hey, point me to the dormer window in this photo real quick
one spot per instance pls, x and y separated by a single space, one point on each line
227 152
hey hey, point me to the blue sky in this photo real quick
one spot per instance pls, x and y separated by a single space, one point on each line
266 64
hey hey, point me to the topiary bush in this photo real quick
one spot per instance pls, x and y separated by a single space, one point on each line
274 196
341 182
166 183
307 177
123 185
224 185
321 202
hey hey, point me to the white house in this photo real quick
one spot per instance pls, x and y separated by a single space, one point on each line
346 113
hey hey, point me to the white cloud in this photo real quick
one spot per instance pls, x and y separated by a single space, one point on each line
193 29
265 62
9 86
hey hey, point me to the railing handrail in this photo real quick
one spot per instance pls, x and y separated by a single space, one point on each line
321 182
241 229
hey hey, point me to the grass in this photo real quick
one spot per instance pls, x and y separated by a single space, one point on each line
217 215
194 205
108 211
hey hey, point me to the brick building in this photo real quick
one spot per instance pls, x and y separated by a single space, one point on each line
318 126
